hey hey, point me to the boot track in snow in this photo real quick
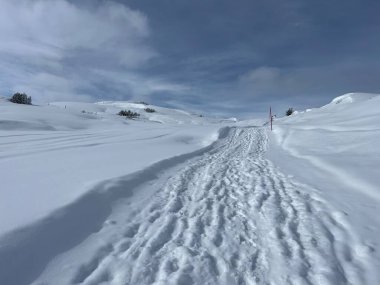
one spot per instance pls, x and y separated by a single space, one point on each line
226 216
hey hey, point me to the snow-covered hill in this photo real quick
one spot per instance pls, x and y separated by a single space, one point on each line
175 198
75 115
341 138
52 154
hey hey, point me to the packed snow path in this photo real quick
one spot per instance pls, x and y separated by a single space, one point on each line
225 217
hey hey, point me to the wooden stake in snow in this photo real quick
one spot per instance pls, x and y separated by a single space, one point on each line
271 118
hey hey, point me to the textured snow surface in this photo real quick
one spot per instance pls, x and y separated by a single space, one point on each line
227 216
241 205
51 155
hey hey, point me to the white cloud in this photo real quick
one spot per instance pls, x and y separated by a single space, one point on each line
49 48
262 75
52 28
272 82
140 86
261 80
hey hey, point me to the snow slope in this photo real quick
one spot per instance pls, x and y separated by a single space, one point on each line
336 149
253 207
51 155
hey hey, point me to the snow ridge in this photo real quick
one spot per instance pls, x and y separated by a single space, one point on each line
352 98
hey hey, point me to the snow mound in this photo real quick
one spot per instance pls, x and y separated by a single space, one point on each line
352 98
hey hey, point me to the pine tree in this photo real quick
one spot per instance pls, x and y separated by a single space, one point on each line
21 98
289 111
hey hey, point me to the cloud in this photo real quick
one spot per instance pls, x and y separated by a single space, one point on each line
50 48
263 79
52 29
139 85
304 86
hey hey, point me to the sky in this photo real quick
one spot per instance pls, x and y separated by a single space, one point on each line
218 57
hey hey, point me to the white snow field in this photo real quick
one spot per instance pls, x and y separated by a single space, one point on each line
93 198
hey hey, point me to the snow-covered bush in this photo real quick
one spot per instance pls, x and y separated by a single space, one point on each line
289 111
143 103
150 110
21 98
128 114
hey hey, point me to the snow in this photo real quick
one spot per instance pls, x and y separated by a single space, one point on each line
352 98
50 155
335 149
176 198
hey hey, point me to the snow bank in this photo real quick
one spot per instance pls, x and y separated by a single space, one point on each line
336 149
53 154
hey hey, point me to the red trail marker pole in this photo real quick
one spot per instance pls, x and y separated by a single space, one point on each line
271 118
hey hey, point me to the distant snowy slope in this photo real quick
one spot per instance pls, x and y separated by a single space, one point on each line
27 117
76 115
161 114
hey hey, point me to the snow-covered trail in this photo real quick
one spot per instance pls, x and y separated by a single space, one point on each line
228 216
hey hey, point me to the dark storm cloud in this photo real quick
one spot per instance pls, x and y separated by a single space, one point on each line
218 55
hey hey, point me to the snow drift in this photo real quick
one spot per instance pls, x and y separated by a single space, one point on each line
336 149
53 154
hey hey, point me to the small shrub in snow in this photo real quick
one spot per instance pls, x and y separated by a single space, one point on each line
129 114
289 111
150 110
21 98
